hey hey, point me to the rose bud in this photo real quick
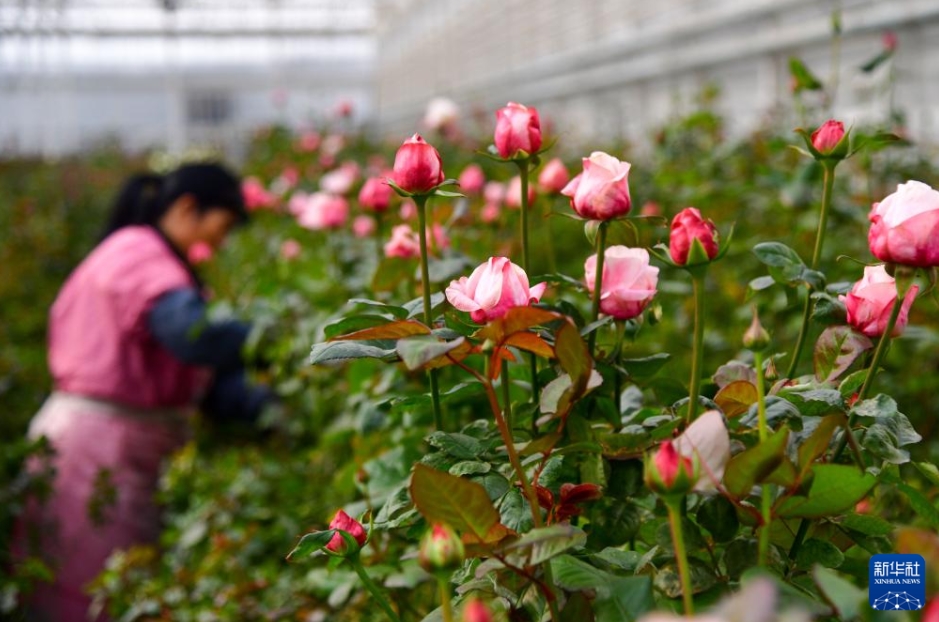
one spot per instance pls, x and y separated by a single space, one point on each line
756 338
375 195
667 472
827 137
255 194
290 249
628 283
340 180
601 192
200 252
688 227
554 176
492 289
441 114
440 549
870 303
905 226
404 243
472 179
418 166
363 226
513 193
324 211
476 610
337 544
494 192
518 131
707 441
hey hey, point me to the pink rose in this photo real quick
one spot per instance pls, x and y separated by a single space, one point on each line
404 243
441 114
255 194
905 226
494 192
408 210
518 131
870 302
337 544
827 137
472 179
308 141
200 252
375 195
437 237
340 180
601 192
418 166
290 249
492 289
490 213
324 211
688 226
667 471
344 108
476 610
707 440
554 176
363 226
298 202
513 193
629 282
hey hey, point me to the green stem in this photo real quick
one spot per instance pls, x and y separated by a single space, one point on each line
506 394
597 283
800 538
617 377
765 508
829 181
761 395
882 346
421 201
374 589
681 557
445 605
523 166
697 352
379 238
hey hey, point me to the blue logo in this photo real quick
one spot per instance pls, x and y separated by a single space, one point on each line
897 582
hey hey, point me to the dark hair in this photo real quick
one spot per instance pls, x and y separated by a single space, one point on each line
145 197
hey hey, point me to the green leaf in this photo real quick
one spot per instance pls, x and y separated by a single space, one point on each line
929 470
351 324
311 543
876 61
920 503
759 284
803 79
542 544
719 517
736 398
338 351
573 356
419 350
827 309
785 265
814 402
389 330
817 442
814 551
415 308
457 445
835 488
470 467
890 430
836 349
646 366
840 593
398 312
618 599
752 466
454 501
867 524
557 394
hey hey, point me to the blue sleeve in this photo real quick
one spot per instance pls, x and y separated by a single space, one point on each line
178 321
231 398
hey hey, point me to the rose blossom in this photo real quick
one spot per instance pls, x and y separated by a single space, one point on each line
554 176
870 302
905 226
404 243
441 114
290 249
308 141
513 193
601 192
494 192
337 544
472 179
490 213
518 129
688 226
492 289
340 180
827 137
255 194
476 610
418 166
375 195
200 252
707 440
363 226
629 282
324 211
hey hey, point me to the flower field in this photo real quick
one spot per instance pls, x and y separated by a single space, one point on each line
518 382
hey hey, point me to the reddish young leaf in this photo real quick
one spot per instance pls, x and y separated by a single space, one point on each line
391 330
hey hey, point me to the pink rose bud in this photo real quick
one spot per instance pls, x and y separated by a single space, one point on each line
905 226
340 180
650 208
472 179
687 227
870 302
290 249
404 243
255 194
440 549
513 193
333 144
324 211
492 289
408 210
554 176
290 176
476 610
669 472
363 226
418 166
601 192
375 195
490 213
889 40
338 544
437 237
629 282
827 137
494 192
518 131
200 252
298 202
441 114
308 141
344 108
707 441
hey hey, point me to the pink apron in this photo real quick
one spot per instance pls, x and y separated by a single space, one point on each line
118 410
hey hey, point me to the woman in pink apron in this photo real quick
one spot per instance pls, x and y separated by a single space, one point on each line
131 354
